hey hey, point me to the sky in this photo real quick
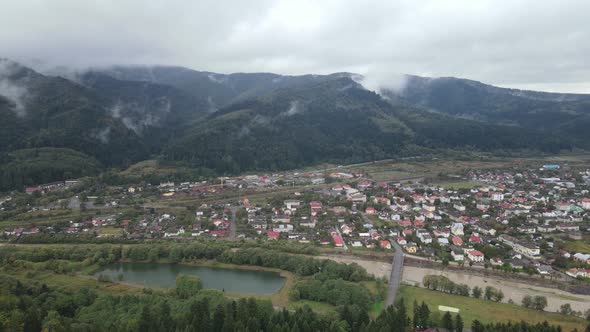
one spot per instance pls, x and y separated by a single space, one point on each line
528 44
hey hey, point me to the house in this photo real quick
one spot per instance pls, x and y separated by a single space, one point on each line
292 204
526 229
564 227
363 185
283 228
405 223
457 254
308 222
496 261
401 240
581 273
357 198
442 233
382 200
281 218
370 210
546 228
443 241
273 235
459 207
315 207
457 229
485 230
586 203
411 247
424 236
345 229
219 233
497 196
474 238
339 210
338 241
475 255
584 258
429 207
418 223
457 241
522 247
544 269
385 244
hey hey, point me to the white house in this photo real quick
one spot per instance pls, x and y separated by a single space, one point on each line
475 255
457 229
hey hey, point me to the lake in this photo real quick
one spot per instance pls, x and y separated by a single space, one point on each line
164 275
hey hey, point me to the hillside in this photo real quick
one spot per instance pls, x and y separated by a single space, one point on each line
231 123
562 114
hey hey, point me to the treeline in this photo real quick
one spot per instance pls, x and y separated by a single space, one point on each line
321 269
60 238
444 284
33 306
43 165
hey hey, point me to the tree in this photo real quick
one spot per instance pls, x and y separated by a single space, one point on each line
489 293
527 301
540 302
477 326
498 295
53 322
447 321
459 323
565 309
476 292
187 286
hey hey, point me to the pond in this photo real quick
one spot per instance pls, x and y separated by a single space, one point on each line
164 275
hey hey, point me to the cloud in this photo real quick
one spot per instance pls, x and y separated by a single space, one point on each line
519 43
380 80
11 89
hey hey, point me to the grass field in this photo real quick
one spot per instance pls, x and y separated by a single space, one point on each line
487 311
578 246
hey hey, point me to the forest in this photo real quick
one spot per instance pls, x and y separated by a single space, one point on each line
27 304
33 306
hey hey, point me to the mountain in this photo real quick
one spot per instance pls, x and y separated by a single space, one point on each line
557 113
230 123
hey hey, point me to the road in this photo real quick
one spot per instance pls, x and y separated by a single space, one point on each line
232 223
397 267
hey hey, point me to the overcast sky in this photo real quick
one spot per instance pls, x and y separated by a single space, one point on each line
533 44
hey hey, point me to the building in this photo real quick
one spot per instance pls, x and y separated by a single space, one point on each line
411 247
457 254
475 256
521 247
457 229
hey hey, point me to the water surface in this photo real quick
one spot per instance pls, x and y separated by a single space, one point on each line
164 275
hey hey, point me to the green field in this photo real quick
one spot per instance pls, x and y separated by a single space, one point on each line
487 311
578 246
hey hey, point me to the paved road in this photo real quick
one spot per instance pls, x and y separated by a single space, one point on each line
232 223
396 274
396 269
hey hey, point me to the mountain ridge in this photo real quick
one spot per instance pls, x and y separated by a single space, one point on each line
231 123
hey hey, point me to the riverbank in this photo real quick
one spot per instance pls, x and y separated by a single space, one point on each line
486 311
512 287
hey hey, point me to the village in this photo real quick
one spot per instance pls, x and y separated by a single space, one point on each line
533 220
